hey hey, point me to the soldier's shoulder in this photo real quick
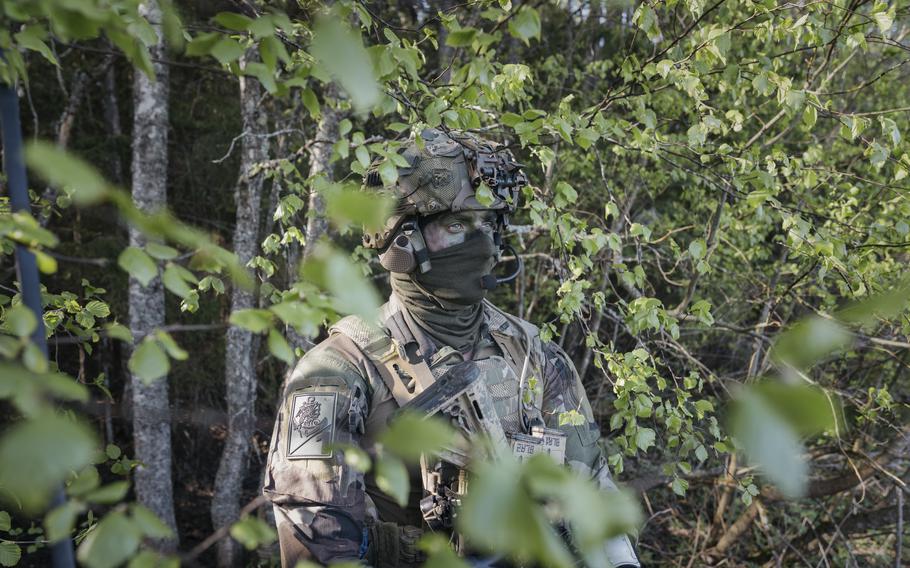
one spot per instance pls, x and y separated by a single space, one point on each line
502 321
331 359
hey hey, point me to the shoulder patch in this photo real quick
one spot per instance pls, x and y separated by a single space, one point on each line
311 425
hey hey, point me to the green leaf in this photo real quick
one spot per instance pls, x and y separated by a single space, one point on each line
5 521
565 194
10 553
32 38
60 521
39 453
63 170
252 533
461 38
392 478
311 103
525 24
499 512
571 417
109 494
149 361
119 331
252 319
884 20
810 340
484 195
807 409
680 486
172 278
202 44
339 50
233 21
810 115
697 249
644 438
439 552
21 321
170 346
770 442
346 205
160 251
279 347
409 436
510 119
110 543
138 264
333 271
226 50
148 523
98 309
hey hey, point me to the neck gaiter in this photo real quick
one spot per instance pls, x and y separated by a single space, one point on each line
446 301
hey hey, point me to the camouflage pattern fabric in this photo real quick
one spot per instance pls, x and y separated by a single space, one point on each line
324 508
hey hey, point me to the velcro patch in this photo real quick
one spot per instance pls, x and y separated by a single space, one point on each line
311 425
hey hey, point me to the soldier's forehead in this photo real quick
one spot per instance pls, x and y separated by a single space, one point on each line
467 215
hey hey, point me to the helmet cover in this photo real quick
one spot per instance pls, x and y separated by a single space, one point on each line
445 175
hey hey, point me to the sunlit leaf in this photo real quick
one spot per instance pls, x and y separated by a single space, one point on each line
138 264
60 521
149 362
409 436
525 24
10 553
252 319
251 532
770 442
279 347
340 51
62 169
110 543
21 321
38 454
392 478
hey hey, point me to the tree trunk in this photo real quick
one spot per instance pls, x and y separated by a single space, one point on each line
320 164
112 117
151 413
240 359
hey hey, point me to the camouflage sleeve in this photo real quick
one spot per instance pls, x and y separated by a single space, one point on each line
319 500
564 396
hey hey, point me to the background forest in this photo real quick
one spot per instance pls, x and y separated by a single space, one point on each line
717 232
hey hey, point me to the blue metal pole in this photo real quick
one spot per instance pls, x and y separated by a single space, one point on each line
26 267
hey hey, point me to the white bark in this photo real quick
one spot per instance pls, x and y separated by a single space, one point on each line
151 412
320 164
240 359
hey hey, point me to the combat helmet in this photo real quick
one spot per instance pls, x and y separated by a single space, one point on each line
446 174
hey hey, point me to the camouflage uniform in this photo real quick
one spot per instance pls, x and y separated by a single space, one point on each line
339 393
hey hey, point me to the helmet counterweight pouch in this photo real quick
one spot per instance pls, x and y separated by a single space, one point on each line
407 251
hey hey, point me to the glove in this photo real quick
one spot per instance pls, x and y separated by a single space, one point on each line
391 545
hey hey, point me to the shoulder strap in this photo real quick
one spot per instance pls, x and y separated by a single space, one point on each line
405 377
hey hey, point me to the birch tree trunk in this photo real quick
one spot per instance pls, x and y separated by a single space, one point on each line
151 411
320 164
240 359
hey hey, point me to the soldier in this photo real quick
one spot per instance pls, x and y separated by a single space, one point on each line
439 246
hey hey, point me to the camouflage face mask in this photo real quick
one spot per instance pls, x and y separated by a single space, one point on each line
457 271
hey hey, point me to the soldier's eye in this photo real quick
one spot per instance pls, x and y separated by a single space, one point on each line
456 227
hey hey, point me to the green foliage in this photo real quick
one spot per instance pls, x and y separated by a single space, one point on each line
39 454
252 532
703 176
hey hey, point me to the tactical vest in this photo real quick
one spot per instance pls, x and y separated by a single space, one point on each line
513 377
